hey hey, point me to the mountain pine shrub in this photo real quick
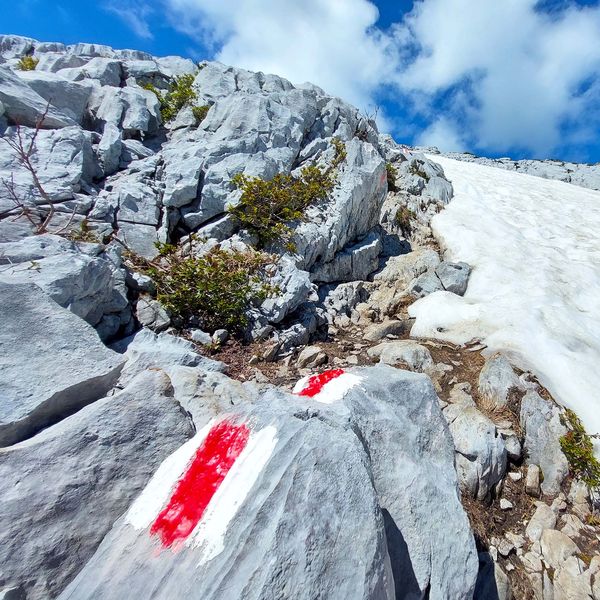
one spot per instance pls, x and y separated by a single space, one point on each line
216 288
578 447
267 207
27 63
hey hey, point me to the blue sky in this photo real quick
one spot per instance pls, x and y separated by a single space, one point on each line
516 78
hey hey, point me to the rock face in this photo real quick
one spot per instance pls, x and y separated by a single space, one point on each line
63 488
543 429
67 364
279 496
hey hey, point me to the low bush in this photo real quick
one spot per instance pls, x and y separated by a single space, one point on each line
200 112
578 447
416 169
180 94
27 63
267 207
392 173
216 289
403 218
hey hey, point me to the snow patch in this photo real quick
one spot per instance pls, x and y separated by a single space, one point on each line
534 246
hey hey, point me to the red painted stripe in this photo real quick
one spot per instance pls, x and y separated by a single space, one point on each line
211 463
315 383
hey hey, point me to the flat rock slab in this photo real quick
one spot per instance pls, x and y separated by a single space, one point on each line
63 489
52 363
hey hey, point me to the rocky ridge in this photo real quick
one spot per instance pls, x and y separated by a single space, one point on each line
584 175
398 442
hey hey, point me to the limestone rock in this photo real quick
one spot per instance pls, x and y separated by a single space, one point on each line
543 429
311 357
24 106
497 379
453 276
480 451
63 488
557 547
543 518
67 366
532 481
378 331
69 97
408 352
152 314
147 350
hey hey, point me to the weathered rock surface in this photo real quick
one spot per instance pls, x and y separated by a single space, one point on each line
52 362
408 352
63 488
480 450
497 379
24 106
541 422
395 477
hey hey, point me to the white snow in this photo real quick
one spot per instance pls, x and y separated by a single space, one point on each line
534 292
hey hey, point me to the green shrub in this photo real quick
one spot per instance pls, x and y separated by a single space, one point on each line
578 447
415 169
392 173
84 234
267 206
27 63
180 94
216 288
200 112
403 218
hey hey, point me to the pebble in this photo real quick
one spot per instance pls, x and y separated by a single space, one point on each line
506 504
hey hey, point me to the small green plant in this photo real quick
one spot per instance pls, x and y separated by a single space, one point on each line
416 169
578 447
180 94
27 63
403 218
392 173
267 206
200 112
84 234
216 288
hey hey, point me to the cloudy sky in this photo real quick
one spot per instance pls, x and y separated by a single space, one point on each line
516 78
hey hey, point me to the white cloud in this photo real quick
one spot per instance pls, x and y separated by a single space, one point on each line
331 43
525 65
444 135
135 15
503 74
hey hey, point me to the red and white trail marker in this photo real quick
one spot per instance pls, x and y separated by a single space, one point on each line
197 491
327 387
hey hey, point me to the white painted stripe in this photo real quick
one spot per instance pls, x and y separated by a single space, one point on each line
209 534
157 493
333 390
301 384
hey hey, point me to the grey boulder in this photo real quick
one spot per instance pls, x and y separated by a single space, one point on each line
292 508
63 489
52 362
541 422
24 106
453 276
67 96
481 453
497 380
